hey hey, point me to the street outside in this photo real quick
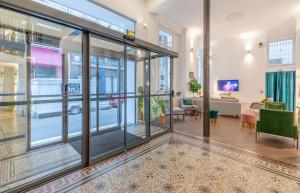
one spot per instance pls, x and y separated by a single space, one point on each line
50 127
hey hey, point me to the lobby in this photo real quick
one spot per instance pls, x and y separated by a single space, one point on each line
149 96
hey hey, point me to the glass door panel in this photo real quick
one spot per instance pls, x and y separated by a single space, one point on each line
34 70
46 93
160 98
73 92
106 107
137 95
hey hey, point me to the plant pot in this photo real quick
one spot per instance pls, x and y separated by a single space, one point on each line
162 119
141 116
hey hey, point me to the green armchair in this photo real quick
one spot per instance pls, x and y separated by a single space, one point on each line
275 105
277 122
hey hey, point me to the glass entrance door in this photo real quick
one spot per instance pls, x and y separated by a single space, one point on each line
137 96
106 98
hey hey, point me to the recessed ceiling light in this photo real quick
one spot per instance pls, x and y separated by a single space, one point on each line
233 17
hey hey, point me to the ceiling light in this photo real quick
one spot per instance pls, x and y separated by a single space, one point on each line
233 17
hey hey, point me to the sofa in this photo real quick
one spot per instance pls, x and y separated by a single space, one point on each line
277 122
229 107
187 103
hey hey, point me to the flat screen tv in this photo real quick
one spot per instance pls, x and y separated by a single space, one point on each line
228 85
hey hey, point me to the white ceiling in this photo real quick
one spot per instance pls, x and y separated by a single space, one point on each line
261 16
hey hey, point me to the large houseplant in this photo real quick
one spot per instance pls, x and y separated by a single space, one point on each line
158 109
194 86
141 103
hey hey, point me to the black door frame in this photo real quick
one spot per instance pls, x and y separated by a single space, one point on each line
86 27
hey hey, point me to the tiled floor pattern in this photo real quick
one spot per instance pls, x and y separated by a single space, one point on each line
12 148
36 164
178 163
18 167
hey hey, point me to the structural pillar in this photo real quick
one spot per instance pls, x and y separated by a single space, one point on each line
206 67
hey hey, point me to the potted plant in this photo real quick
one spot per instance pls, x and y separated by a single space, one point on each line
162 103
194 86
11 108
141 104
155 109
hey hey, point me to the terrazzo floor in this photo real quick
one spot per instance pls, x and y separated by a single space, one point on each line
28 167
179 163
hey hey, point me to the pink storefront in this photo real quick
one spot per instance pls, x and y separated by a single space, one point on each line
47 58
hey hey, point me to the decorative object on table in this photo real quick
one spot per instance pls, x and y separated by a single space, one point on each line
194 86
248 120
277 122
265 100
214 115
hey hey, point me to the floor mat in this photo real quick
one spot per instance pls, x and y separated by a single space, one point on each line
104 143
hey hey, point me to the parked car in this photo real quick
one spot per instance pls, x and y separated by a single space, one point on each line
55 109
114 102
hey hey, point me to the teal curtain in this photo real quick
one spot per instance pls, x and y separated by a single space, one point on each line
280 86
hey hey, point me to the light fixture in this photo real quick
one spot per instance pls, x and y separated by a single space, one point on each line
192 49
144 24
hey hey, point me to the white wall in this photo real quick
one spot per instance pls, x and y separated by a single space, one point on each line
231 60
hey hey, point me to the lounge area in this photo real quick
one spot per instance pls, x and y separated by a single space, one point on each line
150 96
267 128
230 132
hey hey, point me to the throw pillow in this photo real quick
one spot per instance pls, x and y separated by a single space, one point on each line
187 101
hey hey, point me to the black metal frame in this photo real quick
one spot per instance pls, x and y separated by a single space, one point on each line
33 9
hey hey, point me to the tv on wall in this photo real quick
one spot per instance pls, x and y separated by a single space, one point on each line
228 85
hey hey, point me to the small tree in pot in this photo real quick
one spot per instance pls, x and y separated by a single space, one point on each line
141 103
194 86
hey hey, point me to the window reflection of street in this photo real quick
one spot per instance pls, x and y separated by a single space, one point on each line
12 123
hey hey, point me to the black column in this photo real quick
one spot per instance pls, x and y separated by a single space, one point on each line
206 71
86 100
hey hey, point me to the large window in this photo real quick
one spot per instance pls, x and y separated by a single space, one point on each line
199 65
281 52
90 11
165 39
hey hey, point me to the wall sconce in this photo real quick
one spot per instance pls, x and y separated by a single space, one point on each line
248 51
262 91
191 75
192 49
145 25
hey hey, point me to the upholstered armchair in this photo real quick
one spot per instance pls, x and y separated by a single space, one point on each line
275 105
277 122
